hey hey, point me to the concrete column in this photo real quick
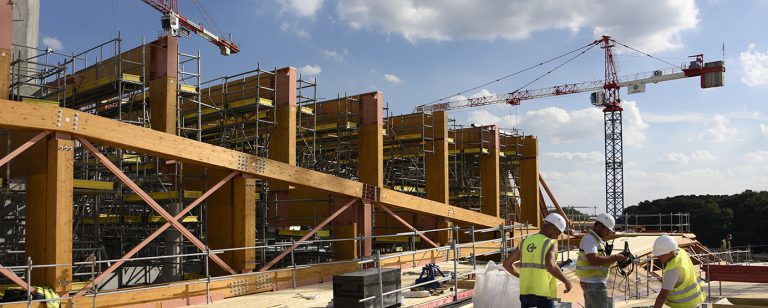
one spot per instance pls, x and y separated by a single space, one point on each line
49 208
529 181
6 41
282 142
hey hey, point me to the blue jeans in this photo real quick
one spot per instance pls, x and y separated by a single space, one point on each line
529 300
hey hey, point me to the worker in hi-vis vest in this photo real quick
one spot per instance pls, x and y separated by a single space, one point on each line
593 265
538 265
725 248
679 282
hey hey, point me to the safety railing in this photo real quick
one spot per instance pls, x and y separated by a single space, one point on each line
452 252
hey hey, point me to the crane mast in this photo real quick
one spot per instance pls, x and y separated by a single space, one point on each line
614 147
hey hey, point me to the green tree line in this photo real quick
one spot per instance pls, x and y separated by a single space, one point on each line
744 215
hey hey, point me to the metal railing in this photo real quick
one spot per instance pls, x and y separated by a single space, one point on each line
452 250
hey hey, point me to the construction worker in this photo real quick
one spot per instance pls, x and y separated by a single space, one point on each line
679 283
538 265
725 247
593 264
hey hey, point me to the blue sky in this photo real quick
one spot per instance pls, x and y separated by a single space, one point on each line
679 139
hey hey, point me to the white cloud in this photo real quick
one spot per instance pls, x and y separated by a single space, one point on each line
634 126
674 159
759 157
674 118
650 28
53 43
702 155
337 56
302 8
720 132
310 70
295 28
393 78
764 130
754 66
482 93
590 157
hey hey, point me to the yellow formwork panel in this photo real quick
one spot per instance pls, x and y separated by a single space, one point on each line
402 188
186 88
469 151
397 239
164 195
96 185
286 232
131 78
307 110
335 126
236 104
131 219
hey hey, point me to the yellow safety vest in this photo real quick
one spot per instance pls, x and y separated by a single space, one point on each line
725 245
584 269
534 278
688 293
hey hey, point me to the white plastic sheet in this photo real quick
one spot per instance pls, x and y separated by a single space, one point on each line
495 287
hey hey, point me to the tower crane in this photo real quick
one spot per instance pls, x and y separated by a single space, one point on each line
175 24
605 94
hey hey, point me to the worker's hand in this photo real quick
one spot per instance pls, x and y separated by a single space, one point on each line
567 286
618 257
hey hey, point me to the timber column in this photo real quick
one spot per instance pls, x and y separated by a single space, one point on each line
529 181
49 212
437 176
489 169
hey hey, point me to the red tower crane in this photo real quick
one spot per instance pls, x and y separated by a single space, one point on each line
606 95
174 24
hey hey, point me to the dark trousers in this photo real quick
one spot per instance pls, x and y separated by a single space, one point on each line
529 300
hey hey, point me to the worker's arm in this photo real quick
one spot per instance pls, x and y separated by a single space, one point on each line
551 265
661 298
594 259
509 263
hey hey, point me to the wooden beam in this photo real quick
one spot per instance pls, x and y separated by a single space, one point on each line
5 71
110 132
489 172
529 181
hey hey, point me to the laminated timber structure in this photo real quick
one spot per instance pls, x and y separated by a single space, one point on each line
122 168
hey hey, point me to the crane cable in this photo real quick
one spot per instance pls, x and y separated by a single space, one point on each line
587 47
643 53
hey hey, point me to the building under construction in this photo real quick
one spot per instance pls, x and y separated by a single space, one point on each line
131 179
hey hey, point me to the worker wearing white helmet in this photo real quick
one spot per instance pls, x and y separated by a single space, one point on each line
538 265
593 264
679 284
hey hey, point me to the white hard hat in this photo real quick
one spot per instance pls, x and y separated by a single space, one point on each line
663 245
606 220
557 220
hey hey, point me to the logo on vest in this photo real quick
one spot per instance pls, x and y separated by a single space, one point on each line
531 247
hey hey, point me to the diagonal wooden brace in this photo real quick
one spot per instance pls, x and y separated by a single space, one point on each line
23 147
152 203
407 225
308 235
15 279
157 233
